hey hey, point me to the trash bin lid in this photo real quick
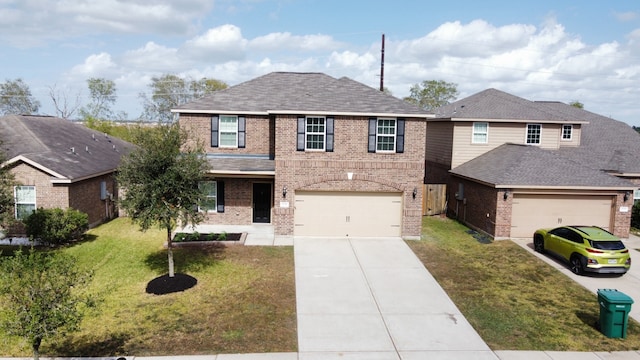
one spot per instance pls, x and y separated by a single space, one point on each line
614 296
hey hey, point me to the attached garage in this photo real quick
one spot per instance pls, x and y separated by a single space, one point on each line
353 214
530 212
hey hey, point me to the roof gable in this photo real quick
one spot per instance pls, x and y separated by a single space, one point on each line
67 151
287 92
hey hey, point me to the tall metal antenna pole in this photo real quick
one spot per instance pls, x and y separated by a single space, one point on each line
382 66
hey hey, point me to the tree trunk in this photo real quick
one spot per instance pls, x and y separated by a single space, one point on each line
36 348
170 252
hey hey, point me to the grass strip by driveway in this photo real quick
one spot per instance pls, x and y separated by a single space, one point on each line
244 301
514 300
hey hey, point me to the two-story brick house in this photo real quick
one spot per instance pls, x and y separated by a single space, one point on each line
311 154
60 164
512 165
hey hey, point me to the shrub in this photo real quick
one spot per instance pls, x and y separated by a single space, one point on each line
635 215
56 226
222 236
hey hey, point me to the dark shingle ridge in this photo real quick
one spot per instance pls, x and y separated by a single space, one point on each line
299 93
527 165
66 148
498 105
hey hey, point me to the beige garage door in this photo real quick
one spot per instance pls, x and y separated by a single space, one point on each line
532 212
322 213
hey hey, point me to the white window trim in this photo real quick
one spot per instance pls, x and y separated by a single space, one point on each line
526 134
220 131
474 132
562 138
324 133
378 136
215 208
16 203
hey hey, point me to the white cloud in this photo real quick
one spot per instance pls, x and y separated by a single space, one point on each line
626 16
285 40
152 58
223 43
98 65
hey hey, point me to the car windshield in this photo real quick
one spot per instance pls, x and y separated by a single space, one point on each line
607 245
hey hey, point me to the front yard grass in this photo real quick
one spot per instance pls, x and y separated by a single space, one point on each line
514 300
244 300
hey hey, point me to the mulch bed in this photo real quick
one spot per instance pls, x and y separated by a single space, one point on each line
166 285
208 237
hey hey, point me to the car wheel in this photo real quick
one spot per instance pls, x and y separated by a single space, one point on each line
577 266
538 244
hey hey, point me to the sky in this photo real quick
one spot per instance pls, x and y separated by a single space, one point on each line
553 50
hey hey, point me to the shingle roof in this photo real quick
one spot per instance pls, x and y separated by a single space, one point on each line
498 105
48 141
287 92
605 144
241 164
513 165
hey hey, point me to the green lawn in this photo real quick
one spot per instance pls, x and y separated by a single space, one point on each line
244 300
514 300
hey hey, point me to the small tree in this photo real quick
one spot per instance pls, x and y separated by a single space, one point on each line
577 104
6 192
431 94
41 295
16 98
161 182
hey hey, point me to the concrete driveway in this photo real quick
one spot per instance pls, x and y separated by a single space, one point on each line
628 283
373 299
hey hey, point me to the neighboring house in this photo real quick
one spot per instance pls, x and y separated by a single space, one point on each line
312 155
512 165
61 164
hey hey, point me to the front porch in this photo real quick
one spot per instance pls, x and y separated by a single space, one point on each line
257 234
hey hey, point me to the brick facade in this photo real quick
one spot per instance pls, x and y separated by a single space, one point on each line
328 171
317 170
83 195
485 209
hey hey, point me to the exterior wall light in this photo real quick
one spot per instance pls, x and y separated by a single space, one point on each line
505 196
284 191
415 192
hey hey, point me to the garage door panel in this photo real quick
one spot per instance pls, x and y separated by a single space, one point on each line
348 214
533 211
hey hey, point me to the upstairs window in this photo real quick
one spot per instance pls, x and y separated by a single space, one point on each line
25 201
636 195
533 134
386 135
315 133
567 132
228 131
480 133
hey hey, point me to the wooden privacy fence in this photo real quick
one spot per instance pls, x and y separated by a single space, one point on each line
434 199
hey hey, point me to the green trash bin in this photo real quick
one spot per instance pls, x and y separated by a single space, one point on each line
614 312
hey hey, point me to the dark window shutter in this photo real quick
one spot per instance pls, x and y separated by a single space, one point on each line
330 131
373 124
214 131
400 136
301 129
242 131
220 196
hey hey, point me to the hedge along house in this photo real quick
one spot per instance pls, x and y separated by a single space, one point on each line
312 155
61 164
512 165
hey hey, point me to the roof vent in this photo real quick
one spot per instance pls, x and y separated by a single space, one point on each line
86 148
114 148
73 150
93 136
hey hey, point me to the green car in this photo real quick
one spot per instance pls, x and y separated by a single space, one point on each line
585 248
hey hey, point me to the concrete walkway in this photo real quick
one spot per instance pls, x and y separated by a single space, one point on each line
373 299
